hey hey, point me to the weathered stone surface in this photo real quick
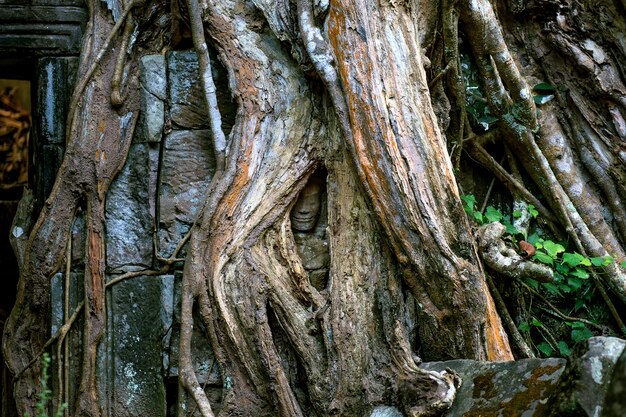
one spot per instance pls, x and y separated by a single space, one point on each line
48 168
186 169
41 28
55 77
384 411
615 401
584 383
187 103
187 106
492 389
130 210
139 323
152 75
153 92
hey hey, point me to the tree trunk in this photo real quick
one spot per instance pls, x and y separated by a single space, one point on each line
336 122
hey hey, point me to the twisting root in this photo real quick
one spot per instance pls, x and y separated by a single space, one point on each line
80 88
208 86
118 72
516 108
505 260
454 77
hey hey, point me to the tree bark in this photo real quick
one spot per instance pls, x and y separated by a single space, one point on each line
338 93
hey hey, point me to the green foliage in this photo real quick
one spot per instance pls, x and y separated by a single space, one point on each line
491 215
572 288
45 396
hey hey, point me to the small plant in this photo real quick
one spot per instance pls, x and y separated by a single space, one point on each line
45 396
571 289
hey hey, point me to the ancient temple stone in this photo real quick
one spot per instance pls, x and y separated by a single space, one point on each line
186 98
138 325
586 378
187 105
153 81
187 166
54 75
517 388
130 211
615 401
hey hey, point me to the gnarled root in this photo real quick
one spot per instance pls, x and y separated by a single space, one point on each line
505 260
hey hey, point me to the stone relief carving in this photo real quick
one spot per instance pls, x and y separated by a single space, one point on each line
308 222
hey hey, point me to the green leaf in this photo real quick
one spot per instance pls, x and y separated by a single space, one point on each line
581 333
543 258
574 283
510 229
532 283
585 262
544 88
572 259
523 327
580 273
623 264
597 261
533 211
534 239
492 214
551 288
562 268
564 350
545 348
517 214
536 323
470 202
578 304
565 288
479 217
552 248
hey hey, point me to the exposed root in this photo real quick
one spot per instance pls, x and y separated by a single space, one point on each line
84 80
208 86
454 78
514 186
516 109
118 72
505 260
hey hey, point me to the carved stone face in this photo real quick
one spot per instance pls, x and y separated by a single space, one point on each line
306 211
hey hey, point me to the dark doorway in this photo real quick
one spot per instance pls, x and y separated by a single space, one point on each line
15 138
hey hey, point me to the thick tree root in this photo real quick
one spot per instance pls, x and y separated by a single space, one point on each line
505 260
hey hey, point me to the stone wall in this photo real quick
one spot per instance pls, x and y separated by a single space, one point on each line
150 207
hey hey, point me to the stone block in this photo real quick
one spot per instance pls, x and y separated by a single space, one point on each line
153 92
384 411
615 401
186 98
137 330
518 388
187 104
48 168
55 77
130 211
187 167
586 378
152 75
